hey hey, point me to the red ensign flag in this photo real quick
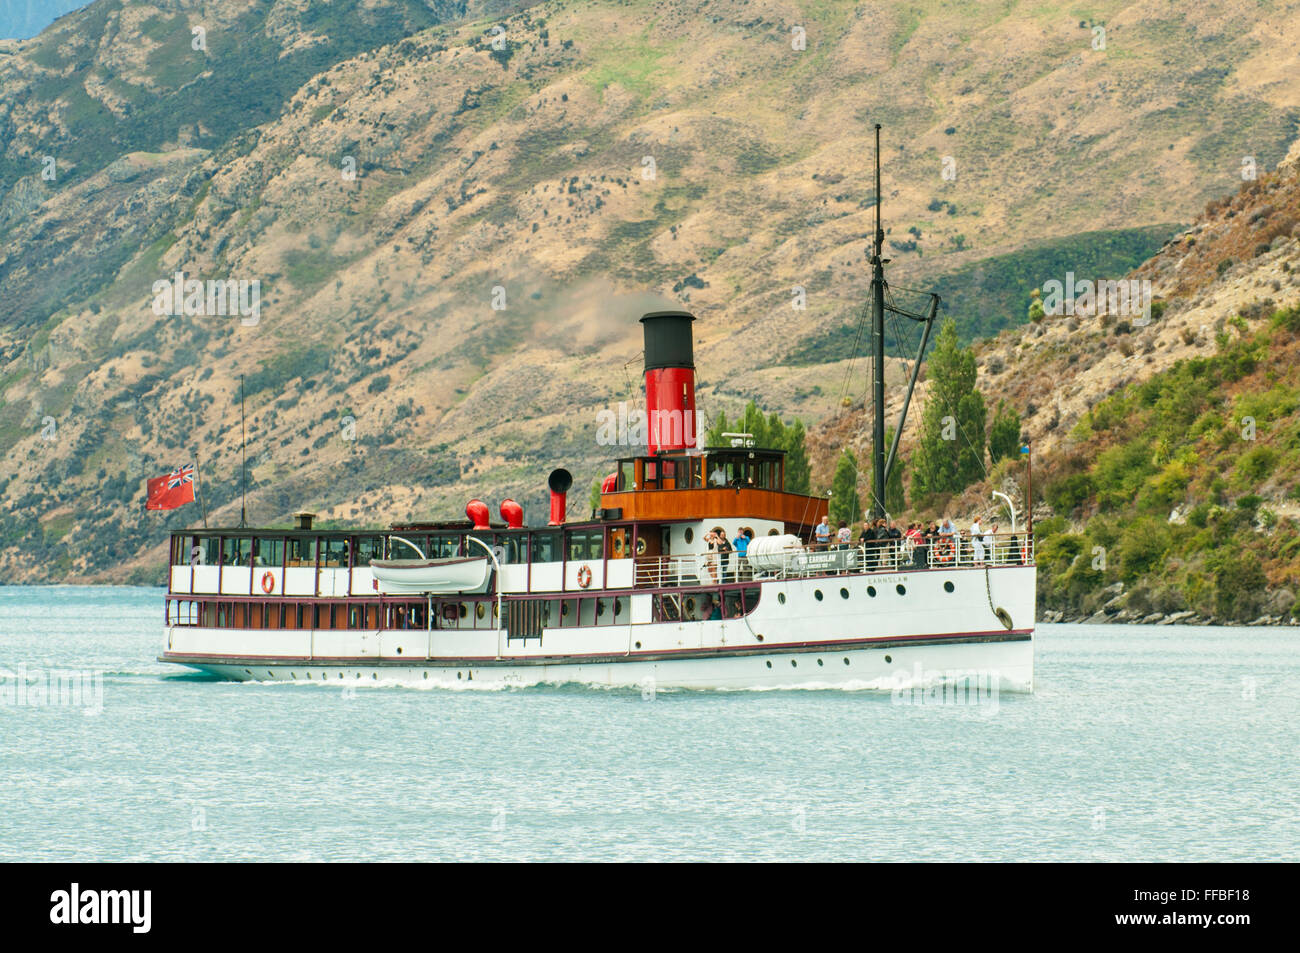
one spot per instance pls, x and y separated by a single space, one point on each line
173 490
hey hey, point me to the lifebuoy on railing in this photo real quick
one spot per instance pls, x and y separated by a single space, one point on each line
945 550
584 576
268 583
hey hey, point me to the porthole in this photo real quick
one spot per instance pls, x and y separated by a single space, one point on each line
690 604
564 608
374 676
947 586
426 676
358 675
769 663
780 597
794 663
464 610
638 645
846 661
871 591
818 595
340 674
496 610
888 659
294 676
399 650
247 672
480 610
270 673
618 606
820 662
759 636
901 589
458 675
689 535
844 593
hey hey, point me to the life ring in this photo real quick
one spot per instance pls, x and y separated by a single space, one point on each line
268 583
946 547
584 576
640 545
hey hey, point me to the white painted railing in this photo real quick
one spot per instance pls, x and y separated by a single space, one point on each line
1004 549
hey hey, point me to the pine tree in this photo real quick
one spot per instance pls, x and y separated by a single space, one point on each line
798 472
950 453
845 502
1004 434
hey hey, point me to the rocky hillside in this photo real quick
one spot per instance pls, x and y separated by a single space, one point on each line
454 212
1167 456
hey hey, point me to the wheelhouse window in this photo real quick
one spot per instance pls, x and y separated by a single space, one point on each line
238 551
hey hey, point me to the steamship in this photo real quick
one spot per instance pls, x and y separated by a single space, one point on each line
635 597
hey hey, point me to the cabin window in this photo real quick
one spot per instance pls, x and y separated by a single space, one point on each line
585 545
236 551
354 617
626 476
443 546
514 548
368 548
302 551
335 553
751 599
546 547
209 550
268 551
667 608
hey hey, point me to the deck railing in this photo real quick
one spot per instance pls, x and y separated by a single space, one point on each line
1004 549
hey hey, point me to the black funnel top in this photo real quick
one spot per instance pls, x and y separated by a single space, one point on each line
668 340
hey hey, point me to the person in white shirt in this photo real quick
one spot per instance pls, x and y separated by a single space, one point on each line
989 540
718 477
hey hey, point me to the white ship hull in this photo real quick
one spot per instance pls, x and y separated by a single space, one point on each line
913 629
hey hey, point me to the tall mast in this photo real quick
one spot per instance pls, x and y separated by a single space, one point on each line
878 355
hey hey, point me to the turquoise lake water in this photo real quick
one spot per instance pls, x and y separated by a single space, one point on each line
1140 744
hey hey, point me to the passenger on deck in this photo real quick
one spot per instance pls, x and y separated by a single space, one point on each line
822 533
741 544
990 543
843 535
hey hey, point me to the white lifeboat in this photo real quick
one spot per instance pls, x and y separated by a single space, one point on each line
406 576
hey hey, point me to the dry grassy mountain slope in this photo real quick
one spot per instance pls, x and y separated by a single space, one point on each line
527 178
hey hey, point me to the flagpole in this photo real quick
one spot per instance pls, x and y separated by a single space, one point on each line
243 461
198 486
